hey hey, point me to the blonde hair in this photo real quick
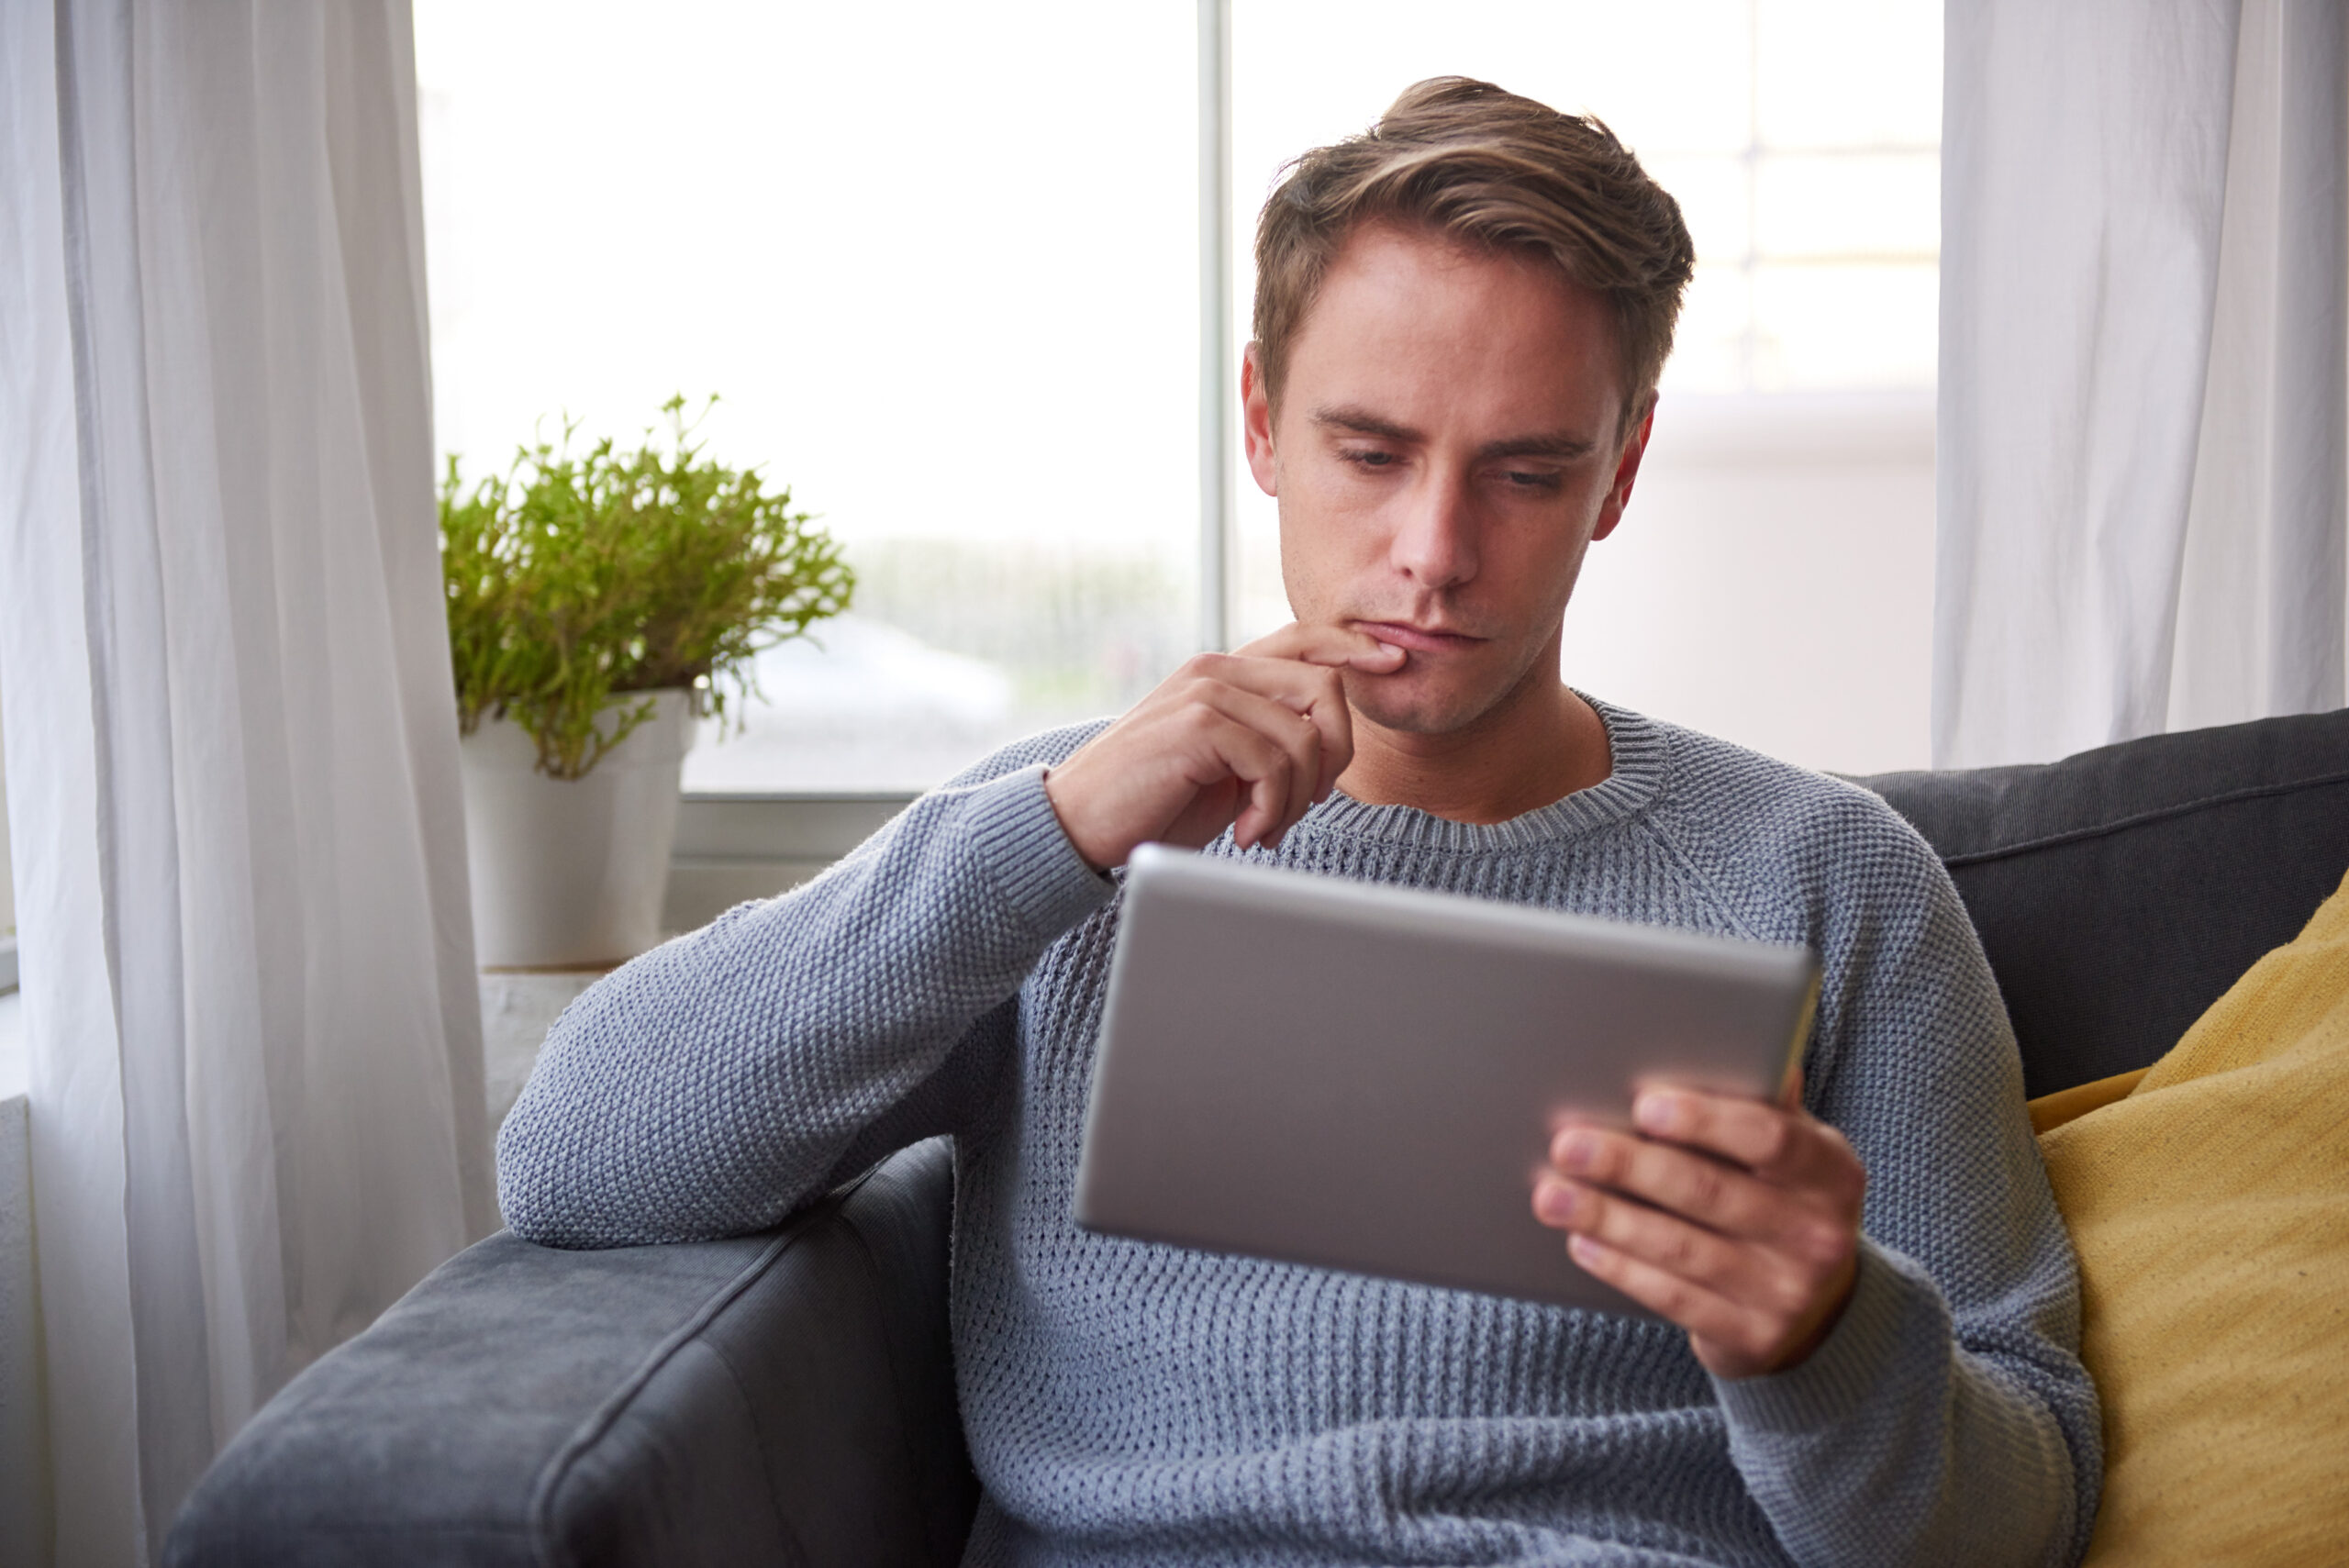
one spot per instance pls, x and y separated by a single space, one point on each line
1489 169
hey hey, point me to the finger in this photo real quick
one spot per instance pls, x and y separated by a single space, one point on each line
1303 688
1337 723
1681 1301
1299 740
1335 717
1664 1241
1210 811
1766 1140
1337 647
1679 1181
1216 752
1748 1305
1297 682
1790 1150
1265 769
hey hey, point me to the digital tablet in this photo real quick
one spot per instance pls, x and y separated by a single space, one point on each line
1367 1077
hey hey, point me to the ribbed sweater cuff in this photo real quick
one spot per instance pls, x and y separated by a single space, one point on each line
1021 842
1895 1313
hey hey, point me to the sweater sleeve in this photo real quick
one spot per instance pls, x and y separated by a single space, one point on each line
1947 1417
713 1084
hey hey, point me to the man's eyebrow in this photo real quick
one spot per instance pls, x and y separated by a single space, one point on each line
1557 444
1362 422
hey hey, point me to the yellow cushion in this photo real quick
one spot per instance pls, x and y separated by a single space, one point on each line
2050 1111
2210 1207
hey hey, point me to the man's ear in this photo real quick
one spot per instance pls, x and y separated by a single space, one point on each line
1257 422
1627 471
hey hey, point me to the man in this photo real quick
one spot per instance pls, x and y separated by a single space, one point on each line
1460 321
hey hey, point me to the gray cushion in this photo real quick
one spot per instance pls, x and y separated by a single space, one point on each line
783 1399
2120 891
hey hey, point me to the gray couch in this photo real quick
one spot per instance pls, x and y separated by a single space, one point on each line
788 1398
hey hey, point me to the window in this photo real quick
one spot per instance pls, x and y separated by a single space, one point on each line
961 329
942 263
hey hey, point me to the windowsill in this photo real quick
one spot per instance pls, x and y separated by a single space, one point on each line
732 848
806 797
518 1008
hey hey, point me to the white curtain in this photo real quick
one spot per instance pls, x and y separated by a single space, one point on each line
2145 267
256 1097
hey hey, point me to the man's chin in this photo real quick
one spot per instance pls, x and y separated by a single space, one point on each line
1413 703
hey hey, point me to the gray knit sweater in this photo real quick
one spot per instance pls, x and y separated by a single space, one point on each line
1129 1403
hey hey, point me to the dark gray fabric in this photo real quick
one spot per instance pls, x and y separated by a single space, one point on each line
2120 891
784 1398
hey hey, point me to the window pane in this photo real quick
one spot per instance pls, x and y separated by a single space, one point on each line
1667 76
1713 348
1716 197
1827 328
1849 73
939 261
1855 206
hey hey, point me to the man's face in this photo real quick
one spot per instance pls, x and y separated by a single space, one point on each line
1447 446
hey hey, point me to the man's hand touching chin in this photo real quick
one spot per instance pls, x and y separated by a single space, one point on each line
1247 740
1737 1221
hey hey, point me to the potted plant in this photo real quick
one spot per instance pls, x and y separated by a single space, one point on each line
597 603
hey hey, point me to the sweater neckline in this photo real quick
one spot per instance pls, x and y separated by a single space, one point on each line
1636 749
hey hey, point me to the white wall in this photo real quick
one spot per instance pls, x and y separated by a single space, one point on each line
1771 582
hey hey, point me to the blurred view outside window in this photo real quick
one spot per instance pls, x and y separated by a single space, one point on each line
941 262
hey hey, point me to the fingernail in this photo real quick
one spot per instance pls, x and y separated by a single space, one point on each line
1560 1203
1585 1251
1657 1113
1575 1150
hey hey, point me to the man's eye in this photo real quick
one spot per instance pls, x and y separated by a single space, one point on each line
1371 458
1523 479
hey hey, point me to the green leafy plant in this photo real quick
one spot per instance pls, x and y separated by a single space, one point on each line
575 580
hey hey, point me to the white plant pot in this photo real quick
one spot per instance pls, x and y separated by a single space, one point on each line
569 874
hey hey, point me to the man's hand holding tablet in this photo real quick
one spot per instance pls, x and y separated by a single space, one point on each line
1745 1230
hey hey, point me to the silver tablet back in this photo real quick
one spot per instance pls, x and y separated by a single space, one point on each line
1367 1077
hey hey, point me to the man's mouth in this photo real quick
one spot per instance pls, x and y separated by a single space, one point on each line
1418 639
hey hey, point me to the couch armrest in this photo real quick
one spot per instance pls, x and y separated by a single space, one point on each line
786 1398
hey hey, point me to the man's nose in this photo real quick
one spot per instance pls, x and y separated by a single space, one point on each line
1435 538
